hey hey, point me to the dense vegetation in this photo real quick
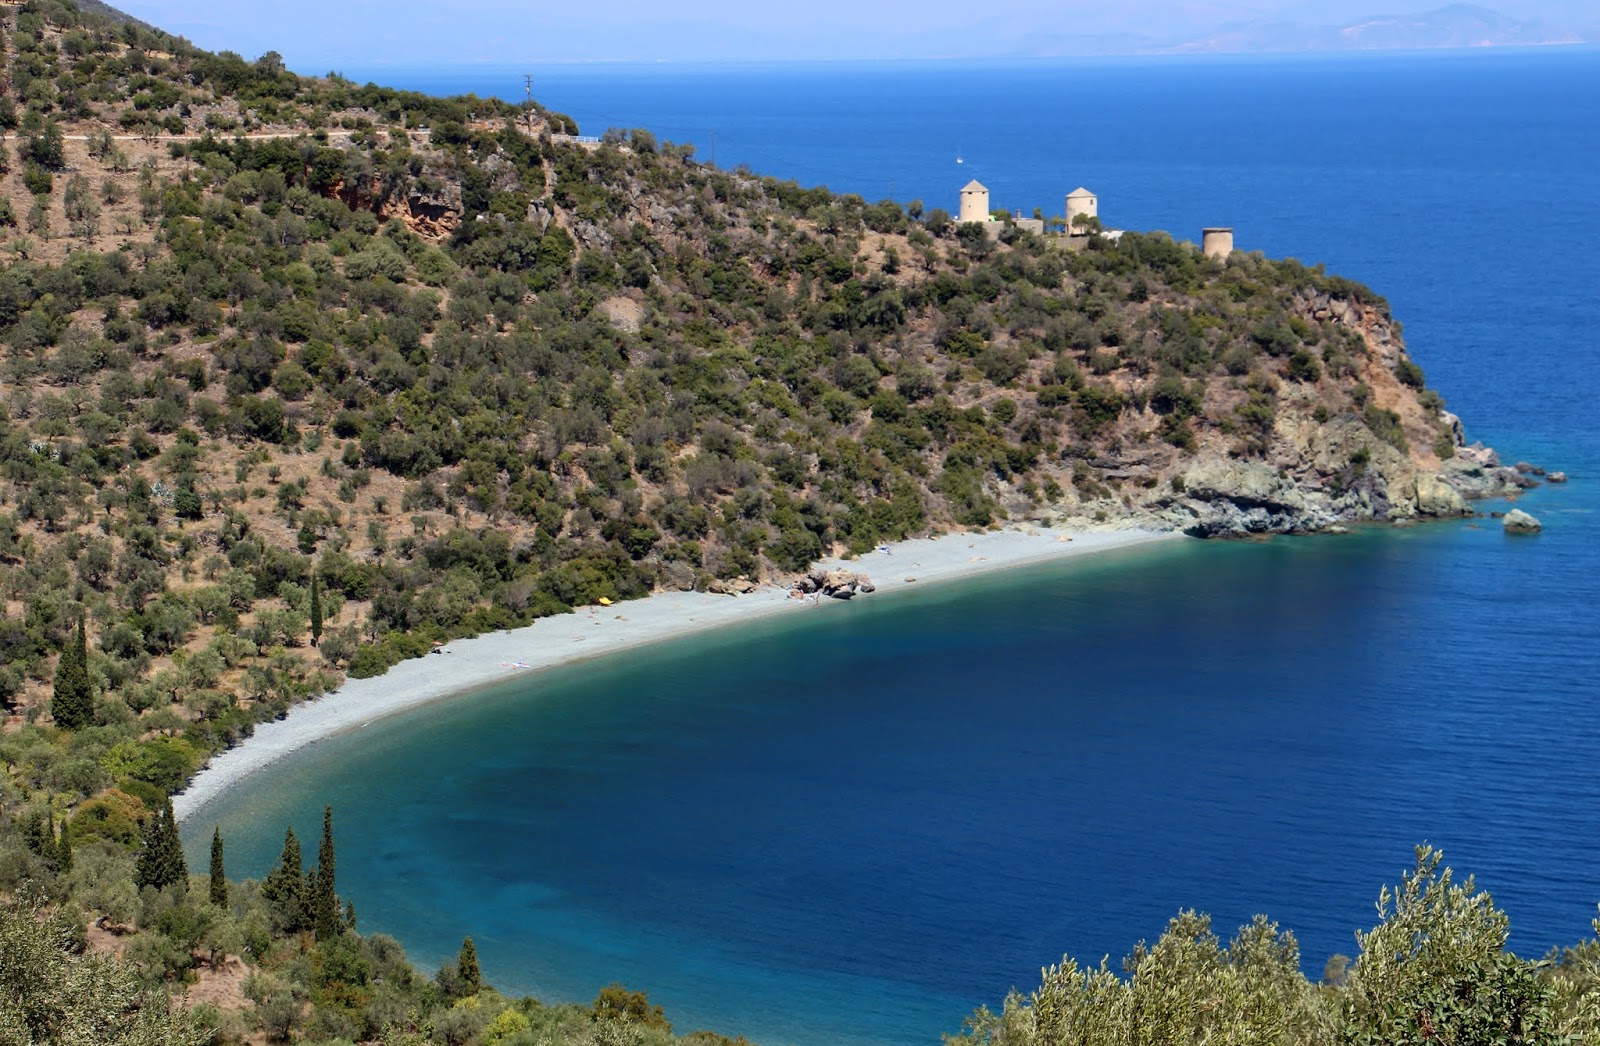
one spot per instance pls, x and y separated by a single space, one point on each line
310 975
300 375
1435 970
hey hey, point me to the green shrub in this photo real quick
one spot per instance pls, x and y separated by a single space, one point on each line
1098 406
37 180
1177 431
1409 373
1385 424
1303 366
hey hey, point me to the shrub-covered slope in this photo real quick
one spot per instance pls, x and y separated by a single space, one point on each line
265 334
298 375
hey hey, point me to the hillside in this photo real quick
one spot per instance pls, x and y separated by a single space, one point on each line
302 375
464 372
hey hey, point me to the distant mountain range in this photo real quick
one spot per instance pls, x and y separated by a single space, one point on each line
1453 26
718 32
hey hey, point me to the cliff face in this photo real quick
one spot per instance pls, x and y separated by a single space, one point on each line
1322 470
1354 439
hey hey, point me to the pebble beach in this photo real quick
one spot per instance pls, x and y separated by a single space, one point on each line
467 665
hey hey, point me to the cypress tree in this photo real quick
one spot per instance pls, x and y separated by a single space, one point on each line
467 967
316 610
284 885
219 880
324 899
161 862
39 835
42 839
72 698
146 869
173 845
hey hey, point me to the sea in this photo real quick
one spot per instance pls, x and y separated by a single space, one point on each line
856 827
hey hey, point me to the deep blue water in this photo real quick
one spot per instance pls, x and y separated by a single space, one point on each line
857 826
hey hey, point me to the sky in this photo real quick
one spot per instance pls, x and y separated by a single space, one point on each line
317 36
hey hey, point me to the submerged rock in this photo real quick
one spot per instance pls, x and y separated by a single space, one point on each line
1519 522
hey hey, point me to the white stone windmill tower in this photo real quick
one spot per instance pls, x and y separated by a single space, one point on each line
974 202
1081 203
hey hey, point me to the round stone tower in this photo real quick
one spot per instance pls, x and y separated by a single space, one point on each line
974 202
1081 201
1217 243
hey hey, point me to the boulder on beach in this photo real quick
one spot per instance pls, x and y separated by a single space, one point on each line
1519 522
840 584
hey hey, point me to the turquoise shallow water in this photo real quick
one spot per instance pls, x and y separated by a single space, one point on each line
854 827
841 827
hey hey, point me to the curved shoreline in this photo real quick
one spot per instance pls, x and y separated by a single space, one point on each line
467 665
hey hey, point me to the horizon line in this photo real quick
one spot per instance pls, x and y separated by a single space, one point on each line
1371 52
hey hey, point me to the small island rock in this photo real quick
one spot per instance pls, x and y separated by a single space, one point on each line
1519 522
1557 477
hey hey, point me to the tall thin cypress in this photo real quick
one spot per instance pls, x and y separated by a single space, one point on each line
316 610
37 835
219 879
173 845
160 863
284 885
72 697
146 869
324 898
467 968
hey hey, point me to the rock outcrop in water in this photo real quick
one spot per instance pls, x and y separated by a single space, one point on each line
1349 438
1519 522
1231 498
